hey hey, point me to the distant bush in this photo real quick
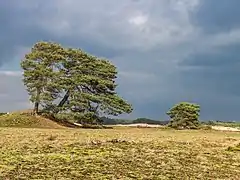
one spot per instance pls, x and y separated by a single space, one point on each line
184 116
211 123
1 114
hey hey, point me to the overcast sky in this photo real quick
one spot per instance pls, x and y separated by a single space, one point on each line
166 51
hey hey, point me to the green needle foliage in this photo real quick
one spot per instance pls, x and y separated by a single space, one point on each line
41 73
184 115
67 80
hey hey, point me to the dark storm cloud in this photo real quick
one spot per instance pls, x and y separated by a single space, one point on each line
222 57
19 28
161 55
12 92
217 15
16 29
213 78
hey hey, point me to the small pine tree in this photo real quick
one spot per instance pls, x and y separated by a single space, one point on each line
184 115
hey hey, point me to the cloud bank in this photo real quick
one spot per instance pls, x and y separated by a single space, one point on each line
166 50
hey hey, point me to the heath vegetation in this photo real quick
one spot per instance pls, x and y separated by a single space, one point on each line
70 87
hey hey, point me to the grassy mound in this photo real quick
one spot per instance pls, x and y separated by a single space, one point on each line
26 120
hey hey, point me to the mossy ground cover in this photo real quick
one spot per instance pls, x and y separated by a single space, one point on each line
120 153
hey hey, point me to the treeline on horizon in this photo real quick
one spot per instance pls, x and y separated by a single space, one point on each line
113 121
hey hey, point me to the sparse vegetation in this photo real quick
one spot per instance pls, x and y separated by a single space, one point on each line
122 153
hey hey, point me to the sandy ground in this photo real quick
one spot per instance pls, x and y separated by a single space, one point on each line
222 128
139 125
131 125
219 128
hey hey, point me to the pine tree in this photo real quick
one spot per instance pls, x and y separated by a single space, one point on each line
184 115
90 87
82 84
41 73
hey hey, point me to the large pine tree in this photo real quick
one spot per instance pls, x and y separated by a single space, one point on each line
72 81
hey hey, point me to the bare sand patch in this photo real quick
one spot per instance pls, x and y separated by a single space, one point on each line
223 128
140 125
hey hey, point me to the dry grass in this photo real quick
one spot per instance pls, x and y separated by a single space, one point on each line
120 153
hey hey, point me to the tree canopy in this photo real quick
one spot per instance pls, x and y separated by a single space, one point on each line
184 115
68 80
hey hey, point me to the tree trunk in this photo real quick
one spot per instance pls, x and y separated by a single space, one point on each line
36 108
36 104
64 99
